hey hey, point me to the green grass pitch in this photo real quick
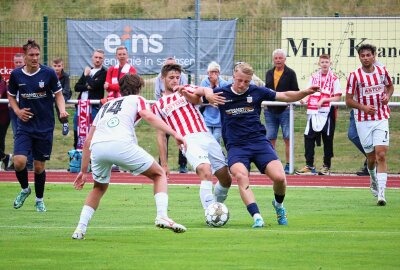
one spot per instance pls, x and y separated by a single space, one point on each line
329 228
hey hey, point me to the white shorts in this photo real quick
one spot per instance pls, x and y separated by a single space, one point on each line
128 156
203 148
373 133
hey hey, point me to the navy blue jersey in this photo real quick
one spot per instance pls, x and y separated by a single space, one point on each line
240 115
35 91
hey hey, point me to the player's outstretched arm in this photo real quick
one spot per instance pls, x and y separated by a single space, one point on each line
291 96
82 176
189 95
157 123
214 99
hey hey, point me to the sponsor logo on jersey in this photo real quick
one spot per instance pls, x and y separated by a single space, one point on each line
174 105
34 95
236 111
371 90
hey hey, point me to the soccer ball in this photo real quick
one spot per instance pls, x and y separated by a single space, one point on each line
217 214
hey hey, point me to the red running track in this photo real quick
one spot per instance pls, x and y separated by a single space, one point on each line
192 179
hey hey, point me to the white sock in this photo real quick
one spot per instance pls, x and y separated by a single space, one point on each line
372 174
220 192
206 196
86 216
257 216
26 190
278 205
161 204
382 179
39 199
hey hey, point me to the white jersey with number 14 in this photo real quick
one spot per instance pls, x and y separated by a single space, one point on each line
117 118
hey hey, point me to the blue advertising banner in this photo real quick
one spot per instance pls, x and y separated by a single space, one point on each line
149 42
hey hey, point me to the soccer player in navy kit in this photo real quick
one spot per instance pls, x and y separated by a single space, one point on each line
36 85
245 136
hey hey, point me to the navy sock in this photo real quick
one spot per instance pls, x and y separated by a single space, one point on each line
40 180
22 177
253 209
279 198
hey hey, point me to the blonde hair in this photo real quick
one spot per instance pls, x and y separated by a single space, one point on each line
213 66
244 68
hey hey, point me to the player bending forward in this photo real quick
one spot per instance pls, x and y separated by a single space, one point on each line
244 136
112 140
204 153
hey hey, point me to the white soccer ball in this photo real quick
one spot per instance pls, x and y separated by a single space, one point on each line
217 214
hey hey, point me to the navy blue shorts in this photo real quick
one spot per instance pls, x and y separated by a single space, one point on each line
40 144
260 153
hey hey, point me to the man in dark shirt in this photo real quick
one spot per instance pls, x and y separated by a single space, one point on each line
280 78
91 86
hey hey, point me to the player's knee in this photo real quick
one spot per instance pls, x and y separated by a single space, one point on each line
224 177
19 163
381 156
204 171
279 179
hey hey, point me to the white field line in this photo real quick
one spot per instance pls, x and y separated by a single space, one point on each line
150 227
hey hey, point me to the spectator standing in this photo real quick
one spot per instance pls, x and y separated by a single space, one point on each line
5 159
63 77
115 73
280 78
159 90
368 92
321 120
211 114
37 87
91 86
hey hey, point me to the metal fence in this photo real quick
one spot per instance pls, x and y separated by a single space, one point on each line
255 41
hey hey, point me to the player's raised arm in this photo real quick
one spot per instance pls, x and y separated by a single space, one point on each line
213 98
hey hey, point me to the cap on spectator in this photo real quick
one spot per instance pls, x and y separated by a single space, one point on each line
213 66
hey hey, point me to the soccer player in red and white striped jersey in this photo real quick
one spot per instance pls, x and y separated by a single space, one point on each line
203 152
369 89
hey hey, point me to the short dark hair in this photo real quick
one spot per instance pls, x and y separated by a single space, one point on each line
30 44
170 67
130 84
366 47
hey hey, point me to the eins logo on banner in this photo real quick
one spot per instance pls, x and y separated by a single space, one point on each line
133 41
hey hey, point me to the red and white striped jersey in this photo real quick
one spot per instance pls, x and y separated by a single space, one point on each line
181 115
330 87
116 120
368 89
